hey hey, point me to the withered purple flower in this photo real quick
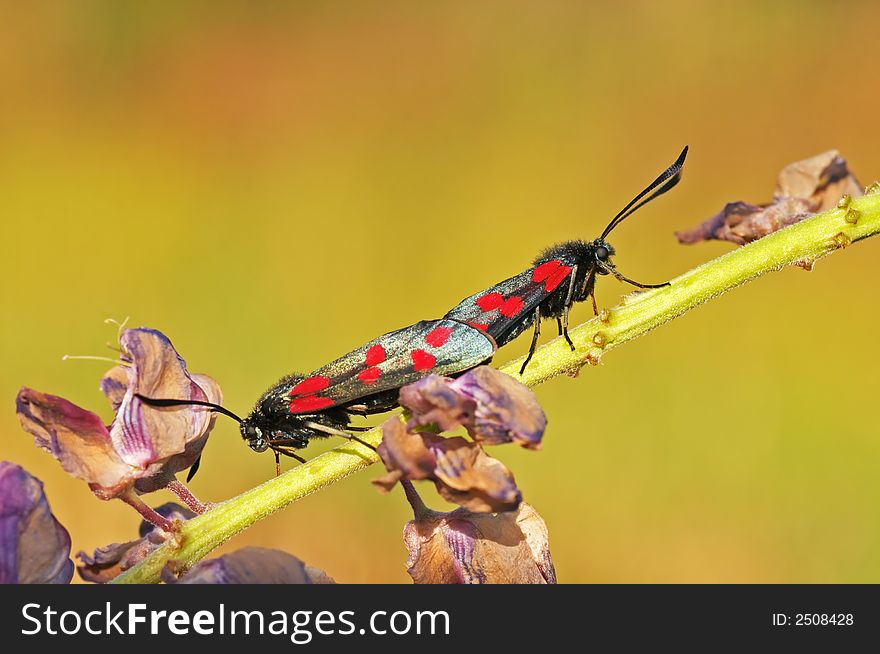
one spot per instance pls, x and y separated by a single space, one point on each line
106 563
34 546
253 565
803 189
463 547
493 407
144 447
461 470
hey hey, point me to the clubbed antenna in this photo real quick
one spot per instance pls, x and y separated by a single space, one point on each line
162 402
667 180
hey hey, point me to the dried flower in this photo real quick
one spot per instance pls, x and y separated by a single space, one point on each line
462 547
494 407
34 546
144 447
253 565
461 470
803 189
106 563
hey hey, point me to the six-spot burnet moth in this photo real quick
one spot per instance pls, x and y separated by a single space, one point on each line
363 382
561 275
367 380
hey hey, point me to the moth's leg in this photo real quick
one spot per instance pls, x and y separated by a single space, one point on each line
286 451
559 324
535 335
332 431
285 446
354 438
295 456
565 329
567 306
590 285
614 272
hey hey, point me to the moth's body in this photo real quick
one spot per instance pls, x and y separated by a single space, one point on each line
587 260
272 424
559 277
365 381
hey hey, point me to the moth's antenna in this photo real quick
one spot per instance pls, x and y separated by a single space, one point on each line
193 469
667 180
162 402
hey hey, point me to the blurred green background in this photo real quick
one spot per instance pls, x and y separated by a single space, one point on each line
272 185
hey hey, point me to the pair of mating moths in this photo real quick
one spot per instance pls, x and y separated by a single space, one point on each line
367 380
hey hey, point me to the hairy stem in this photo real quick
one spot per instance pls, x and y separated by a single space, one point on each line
185 495
146 511
801 244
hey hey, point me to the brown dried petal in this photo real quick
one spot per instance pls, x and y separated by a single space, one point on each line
114 385
161 473
803 189
145 446
533 527
507 410
479 548
741 222
318 576
494 408
822 180
405 451
432 401
467 476
141 434
106 563
462 472
76 437
34 546
255 565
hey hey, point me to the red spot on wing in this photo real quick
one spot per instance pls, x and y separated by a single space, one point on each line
511 307
490 301
310 385
557 278
422 360
375 355
310 403
438 336
552 273
479 325
542 272
370 375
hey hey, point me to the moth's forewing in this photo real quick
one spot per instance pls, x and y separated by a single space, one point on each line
506 309
443 347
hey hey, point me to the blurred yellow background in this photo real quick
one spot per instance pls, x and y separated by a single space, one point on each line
274 185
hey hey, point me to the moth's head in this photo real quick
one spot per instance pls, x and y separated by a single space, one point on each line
253 435
602 253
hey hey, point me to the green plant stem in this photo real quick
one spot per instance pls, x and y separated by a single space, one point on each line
801 244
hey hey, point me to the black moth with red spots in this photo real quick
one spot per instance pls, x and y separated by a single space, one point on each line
561 275
367 380
363 382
